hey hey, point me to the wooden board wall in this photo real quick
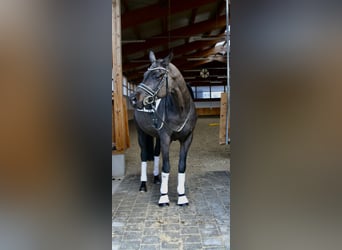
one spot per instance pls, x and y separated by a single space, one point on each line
208 111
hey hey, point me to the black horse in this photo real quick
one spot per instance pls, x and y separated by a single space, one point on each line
172 117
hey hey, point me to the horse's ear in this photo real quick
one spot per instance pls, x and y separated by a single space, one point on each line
152 57
168 59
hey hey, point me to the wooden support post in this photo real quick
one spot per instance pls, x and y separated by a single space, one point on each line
223 118
120 122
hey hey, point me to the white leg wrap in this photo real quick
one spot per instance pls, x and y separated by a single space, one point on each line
164 199
181 182
164 183
182 200
156 166
143 176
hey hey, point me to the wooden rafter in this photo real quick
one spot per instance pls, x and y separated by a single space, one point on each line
138 16
163 39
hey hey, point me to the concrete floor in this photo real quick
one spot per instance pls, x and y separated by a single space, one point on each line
139 223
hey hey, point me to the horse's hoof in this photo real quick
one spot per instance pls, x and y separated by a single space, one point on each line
164 204
182 200
156 179
143 187
183 205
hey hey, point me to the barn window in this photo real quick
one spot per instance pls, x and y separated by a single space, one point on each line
215 91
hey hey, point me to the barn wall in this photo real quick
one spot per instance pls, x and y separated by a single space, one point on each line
208 108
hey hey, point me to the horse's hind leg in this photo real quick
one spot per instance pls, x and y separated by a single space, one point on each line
184 148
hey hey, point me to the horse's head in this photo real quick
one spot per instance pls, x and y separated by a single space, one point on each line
155 82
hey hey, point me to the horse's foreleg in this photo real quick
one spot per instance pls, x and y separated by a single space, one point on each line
143 177
156 162
144 142
184 148
165 147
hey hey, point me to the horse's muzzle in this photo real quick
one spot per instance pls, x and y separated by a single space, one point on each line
134 101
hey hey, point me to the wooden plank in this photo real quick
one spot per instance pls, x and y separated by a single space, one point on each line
208 111
126 123
223 118
118 109
113 123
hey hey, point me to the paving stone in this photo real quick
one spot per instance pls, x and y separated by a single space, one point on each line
191 238
134 227
209 232
171 227
192 246
132 220
132 236
150 240
170 236
168 245
149 247
117 230
189 230
130 245
212 241
138 215
153 223
151 231
118 224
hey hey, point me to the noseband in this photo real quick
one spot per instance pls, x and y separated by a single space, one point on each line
151 93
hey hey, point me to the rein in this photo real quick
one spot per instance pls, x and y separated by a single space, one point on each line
151 98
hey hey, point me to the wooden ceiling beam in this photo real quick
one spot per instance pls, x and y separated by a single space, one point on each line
190 65
162 39
138 16
179 50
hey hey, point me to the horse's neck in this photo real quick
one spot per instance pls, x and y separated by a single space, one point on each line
181 97
180 94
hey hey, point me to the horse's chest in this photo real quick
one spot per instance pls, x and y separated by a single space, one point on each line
147 121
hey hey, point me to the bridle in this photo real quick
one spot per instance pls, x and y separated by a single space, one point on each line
151 94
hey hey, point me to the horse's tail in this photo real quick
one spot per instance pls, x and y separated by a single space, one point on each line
191 91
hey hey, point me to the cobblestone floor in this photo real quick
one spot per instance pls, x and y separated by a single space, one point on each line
139 223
